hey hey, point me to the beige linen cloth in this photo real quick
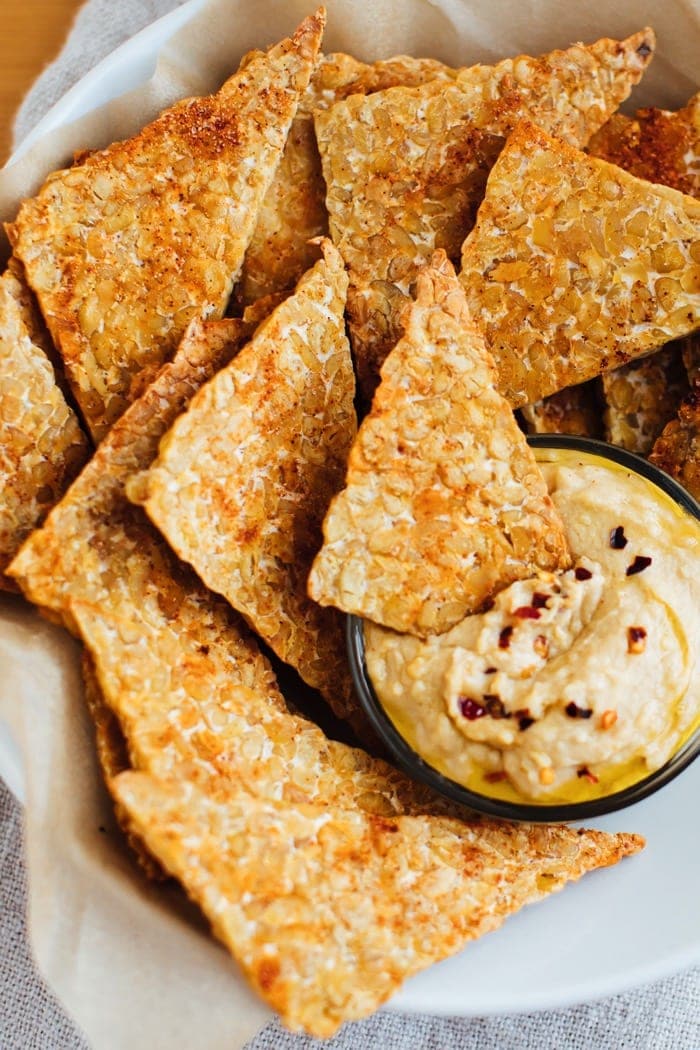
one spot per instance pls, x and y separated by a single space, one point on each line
663 1016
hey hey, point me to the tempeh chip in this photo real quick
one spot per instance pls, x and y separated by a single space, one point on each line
642 397
444 503
42 447
328 909
575 267
656 144
405 168
129 246
293 213
677 449
244 478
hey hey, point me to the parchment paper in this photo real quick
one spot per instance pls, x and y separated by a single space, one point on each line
134 964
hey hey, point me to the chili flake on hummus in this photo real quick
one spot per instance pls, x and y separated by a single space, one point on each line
573 684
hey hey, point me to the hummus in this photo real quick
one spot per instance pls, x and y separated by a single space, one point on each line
572 685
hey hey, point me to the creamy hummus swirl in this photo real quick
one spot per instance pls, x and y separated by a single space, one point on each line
571 685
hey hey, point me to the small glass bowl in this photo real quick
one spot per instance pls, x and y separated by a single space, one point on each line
416 767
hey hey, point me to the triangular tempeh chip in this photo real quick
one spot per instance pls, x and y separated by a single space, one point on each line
130 245
42 447
656 144
328 910
405 168
444 503
575 266
293 213
243 480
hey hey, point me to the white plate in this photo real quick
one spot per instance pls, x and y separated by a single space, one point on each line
614 930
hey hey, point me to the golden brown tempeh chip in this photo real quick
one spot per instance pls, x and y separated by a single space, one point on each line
42 447
244 478
656 145
444 503
327 909
405 168
293 213
642 397
677 450
128 247
575 267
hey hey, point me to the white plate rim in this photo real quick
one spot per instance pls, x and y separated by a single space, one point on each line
86 94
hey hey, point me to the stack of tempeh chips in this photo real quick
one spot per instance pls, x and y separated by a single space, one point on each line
329 875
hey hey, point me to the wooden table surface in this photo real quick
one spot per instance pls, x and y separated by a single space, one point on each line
31 35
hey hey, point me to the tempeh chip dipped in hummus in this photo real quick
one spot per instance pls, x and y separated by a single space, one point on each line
573 684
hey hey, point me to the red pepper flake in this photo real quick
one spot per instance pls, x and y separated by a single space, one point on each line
504 638
495 706
584 771
574 711
490 670
496 777
640 563
540 600
488 605
470 708
527 612
582 574
618 540
525 723
636 639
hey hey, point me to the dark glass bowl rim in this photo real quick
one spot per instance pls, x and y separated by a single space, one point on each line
417 767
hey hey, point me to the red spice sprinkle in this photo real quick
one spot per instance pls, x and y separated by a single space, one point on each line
584 771
525 723
495 777
574 711
540 600
495 706
527 612
640 563
636 639
504 638
618 540
490 670
582 574
471 709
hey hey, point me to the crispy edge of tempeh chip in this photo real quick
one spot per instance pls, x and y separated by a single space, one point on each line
113 759
42 447
419 537
129 246
296 892
575 267
244 478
